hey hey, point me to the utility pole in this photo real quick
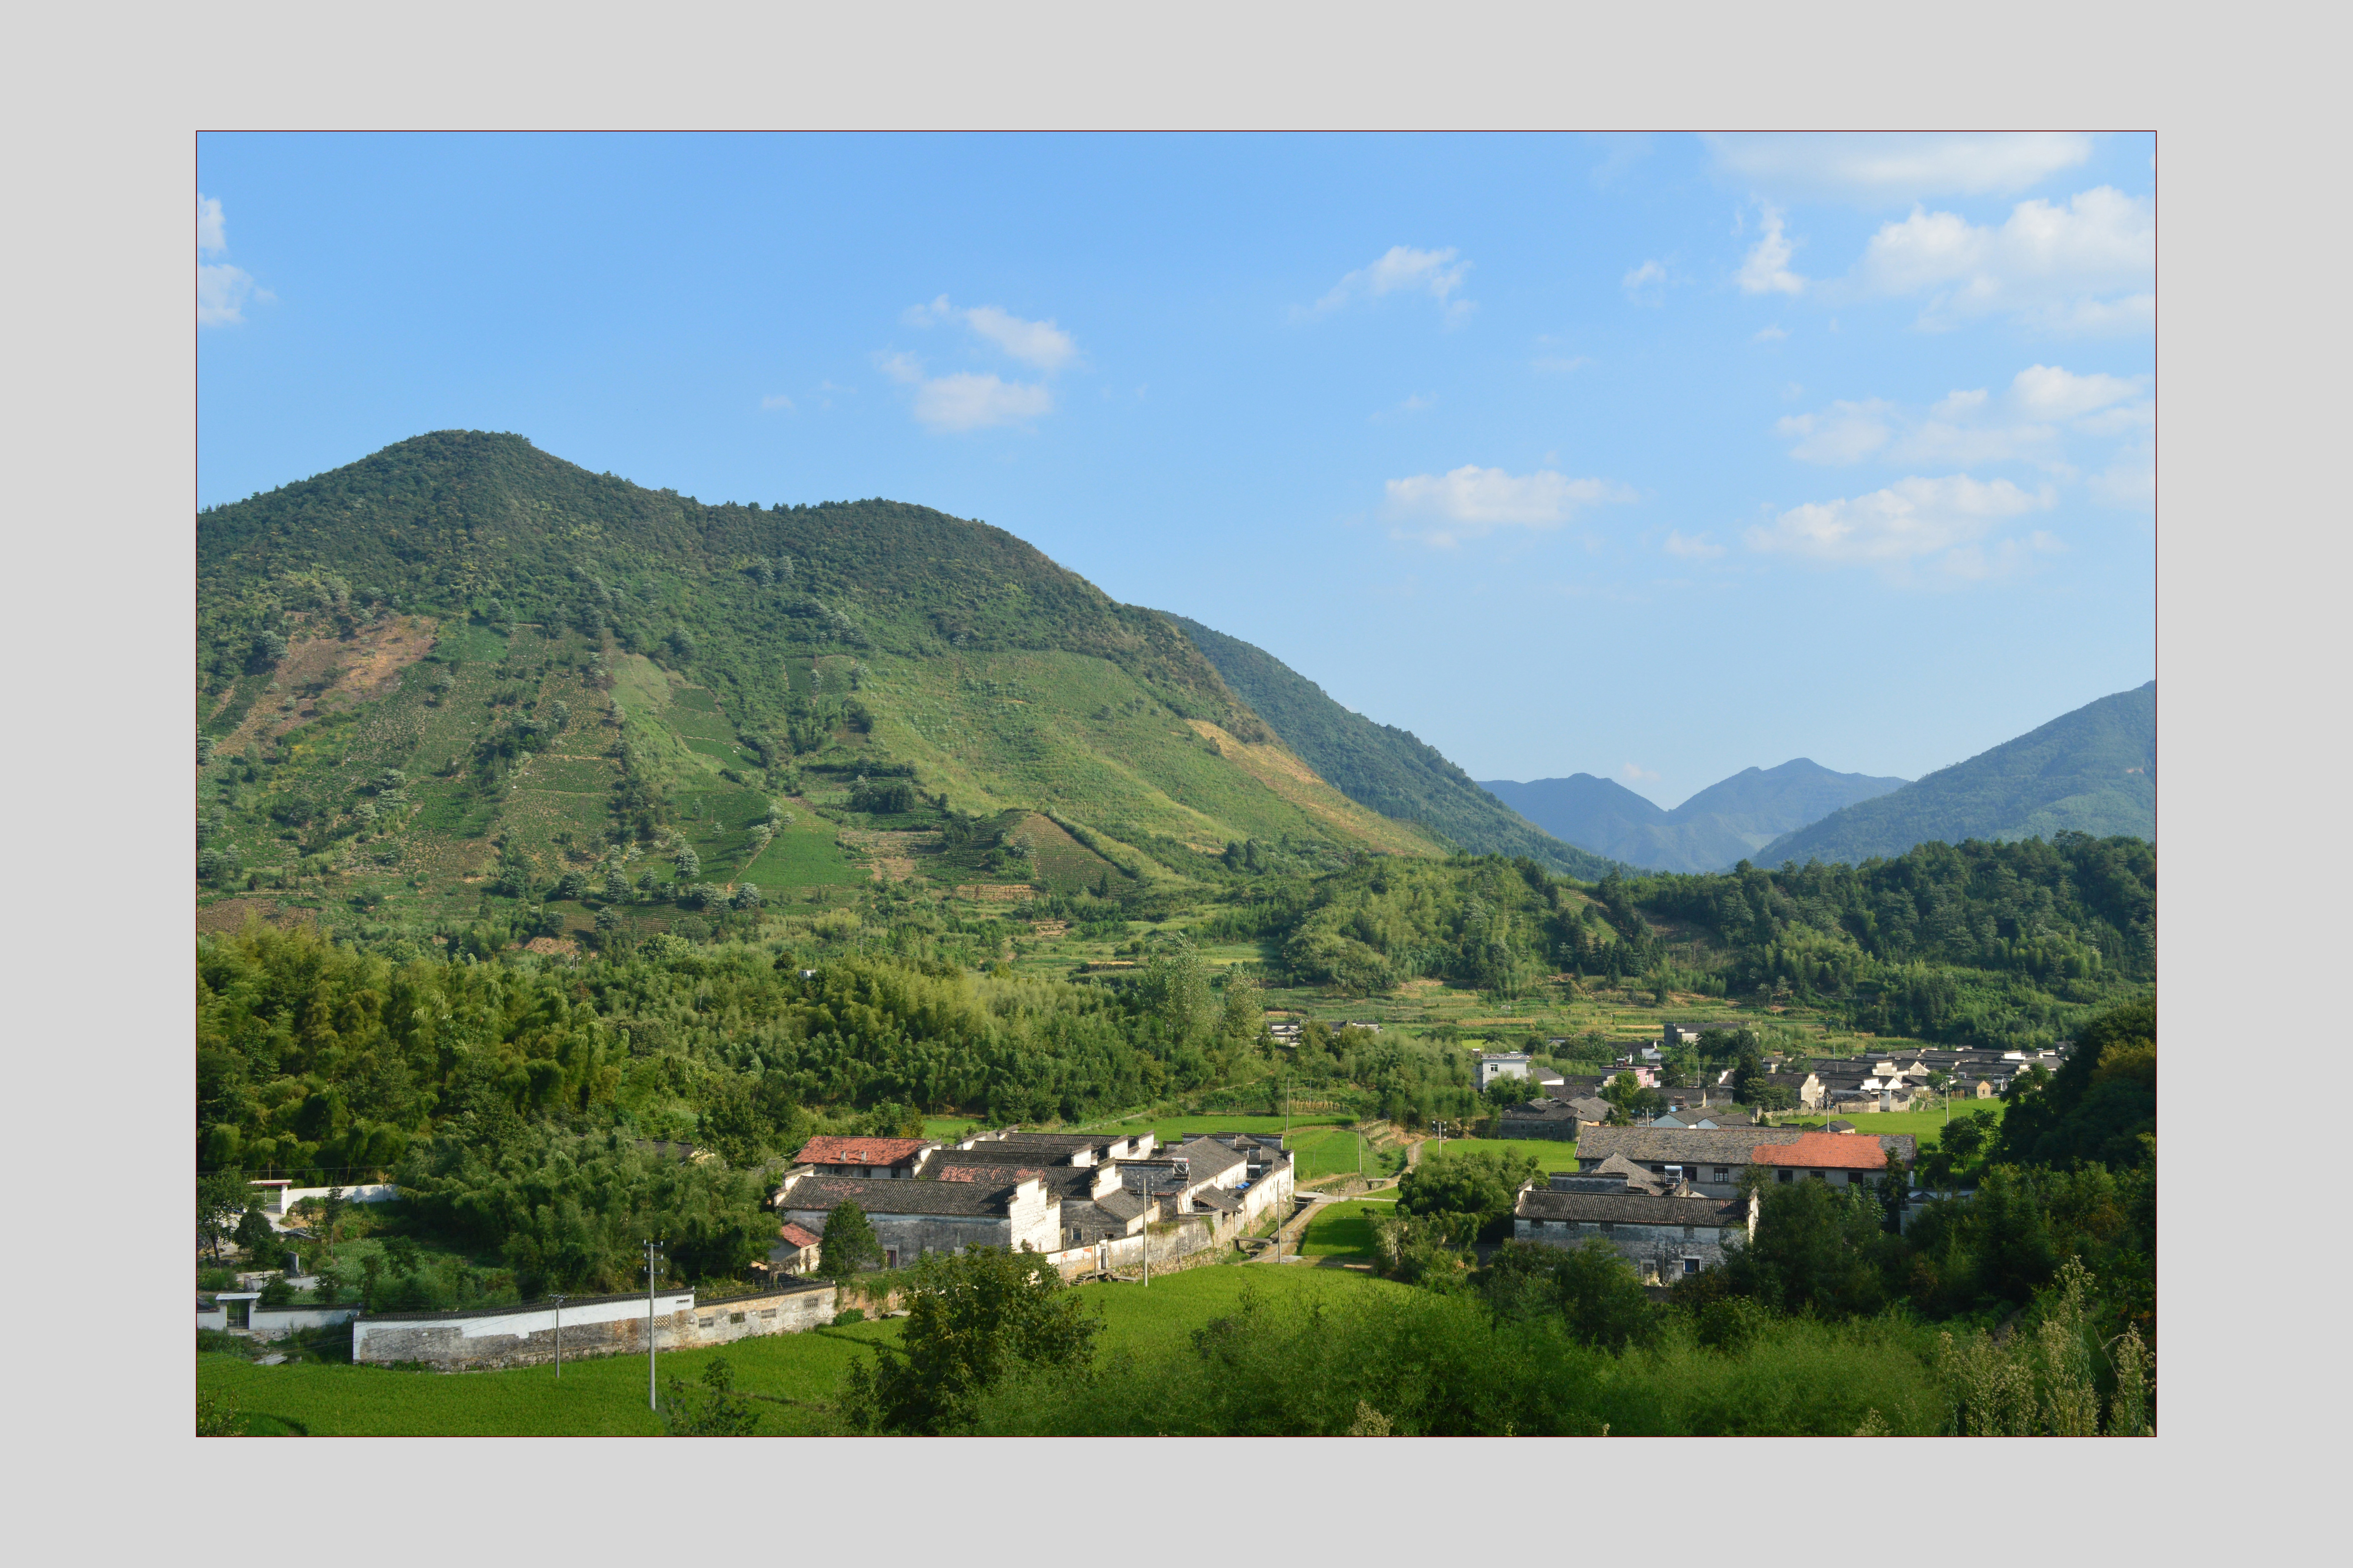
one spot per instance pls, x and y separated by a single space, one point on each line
653 1263
559 1336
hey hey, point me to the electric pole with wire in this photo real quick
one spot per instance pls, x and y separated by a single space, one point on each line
559 1335
653 1265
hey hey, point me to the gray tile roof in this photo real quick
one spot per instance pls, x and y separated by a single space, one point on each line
1630 1208
1692 1146
1122 1204
821 1194
1204 1159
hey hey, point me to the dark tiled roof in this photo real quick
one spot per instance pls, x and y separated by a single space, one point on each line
1204 1159
1122 1204
1540 1110
832 1150
1692 1146
1630 1208
822 1195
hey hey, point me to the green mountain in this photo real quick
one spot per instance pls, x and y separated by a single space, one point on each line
1381 766
2092 771
1724 823
461 661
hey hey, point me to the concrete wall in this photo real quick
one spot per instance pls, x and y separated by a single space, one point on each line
277 1322
911 1236
369 1193
1274 1188
605 1325
1649 1247
1171 1244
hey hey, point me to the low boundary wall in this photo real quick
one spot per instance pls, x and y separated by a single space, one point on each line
592 1326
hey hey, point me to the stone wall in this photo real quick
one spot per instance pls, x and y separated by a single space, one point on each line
1655 1250
911 1236
601 1325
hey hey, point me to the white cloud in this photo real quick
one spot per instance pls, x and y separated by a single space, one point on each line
1847 433
967 401
222 291
2081 267
1039 344
1695 548
2051 393
1471 501
1880 169
1769 335
900 366
777 400
1959 404
1403 269
2120 420
1415 404
1625 150
1635 773
1646 284
1767 270
1892 527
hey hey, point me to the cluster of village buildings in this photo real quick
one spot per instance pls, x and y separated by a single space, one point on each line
1669 1193
1061 1194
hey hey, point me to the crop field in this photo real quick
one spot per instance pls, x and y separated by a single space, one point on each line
1548 1154
803 855
605 1396
1344 1230
1169 1129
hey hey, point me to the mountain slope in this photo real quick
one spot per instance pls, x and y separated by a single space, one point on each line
1380 765
2091 770
562 670
1723 823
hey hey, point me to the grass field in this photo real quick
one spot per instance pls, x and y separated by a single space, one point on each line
1928 1126
606 1397
1170 1128
1344 1230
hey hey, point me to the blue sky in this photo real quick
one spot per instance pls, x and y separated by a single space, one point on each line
1655 457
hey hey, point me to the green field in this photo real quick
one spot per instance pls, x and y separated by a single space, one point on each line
803 855
1344 1230
606 1397
1928 1126
1172 1129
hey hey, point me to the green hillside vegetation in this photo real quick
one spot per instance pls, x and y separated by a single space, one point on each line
2092 771
1381 766
462 662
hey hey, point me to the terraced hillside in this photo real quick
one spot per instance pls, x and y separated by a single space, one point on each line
462 665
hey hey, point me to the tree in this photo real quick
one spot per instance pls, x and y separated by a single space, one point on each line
254 1233
971 1319
689 864
1601 1297
713 1410
221 1198
1480 1186
851 1244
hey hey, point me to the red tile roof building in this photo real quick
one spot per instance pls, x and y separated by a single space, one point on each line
1825 1152
880 1156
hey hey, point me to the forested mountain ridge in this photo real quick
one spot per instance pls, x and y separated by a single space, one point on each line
2091 770
1380 765
461 656
1723 823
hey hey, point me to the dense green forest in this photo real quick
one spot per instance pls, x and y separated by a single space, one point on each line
2092 771
1381 766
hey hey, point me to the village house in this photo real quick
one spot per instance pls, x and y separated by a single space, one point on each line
1711 1159
911 1218
866 1159
1494 1064
1840 1159
796 1250
1665 1234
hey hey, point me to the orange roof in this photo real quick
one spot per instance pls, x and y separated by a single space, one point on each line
1839 1151
799 1235
860 1150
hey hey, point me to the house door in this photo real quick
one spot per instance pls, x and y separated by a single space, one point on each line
240 1314
890 1258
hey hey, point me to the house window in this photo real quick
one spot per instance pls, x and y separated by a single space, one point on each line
1690 1265
1818 1175
1789 1175
1608 1227
890 1258
1690 1232
1723 1174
